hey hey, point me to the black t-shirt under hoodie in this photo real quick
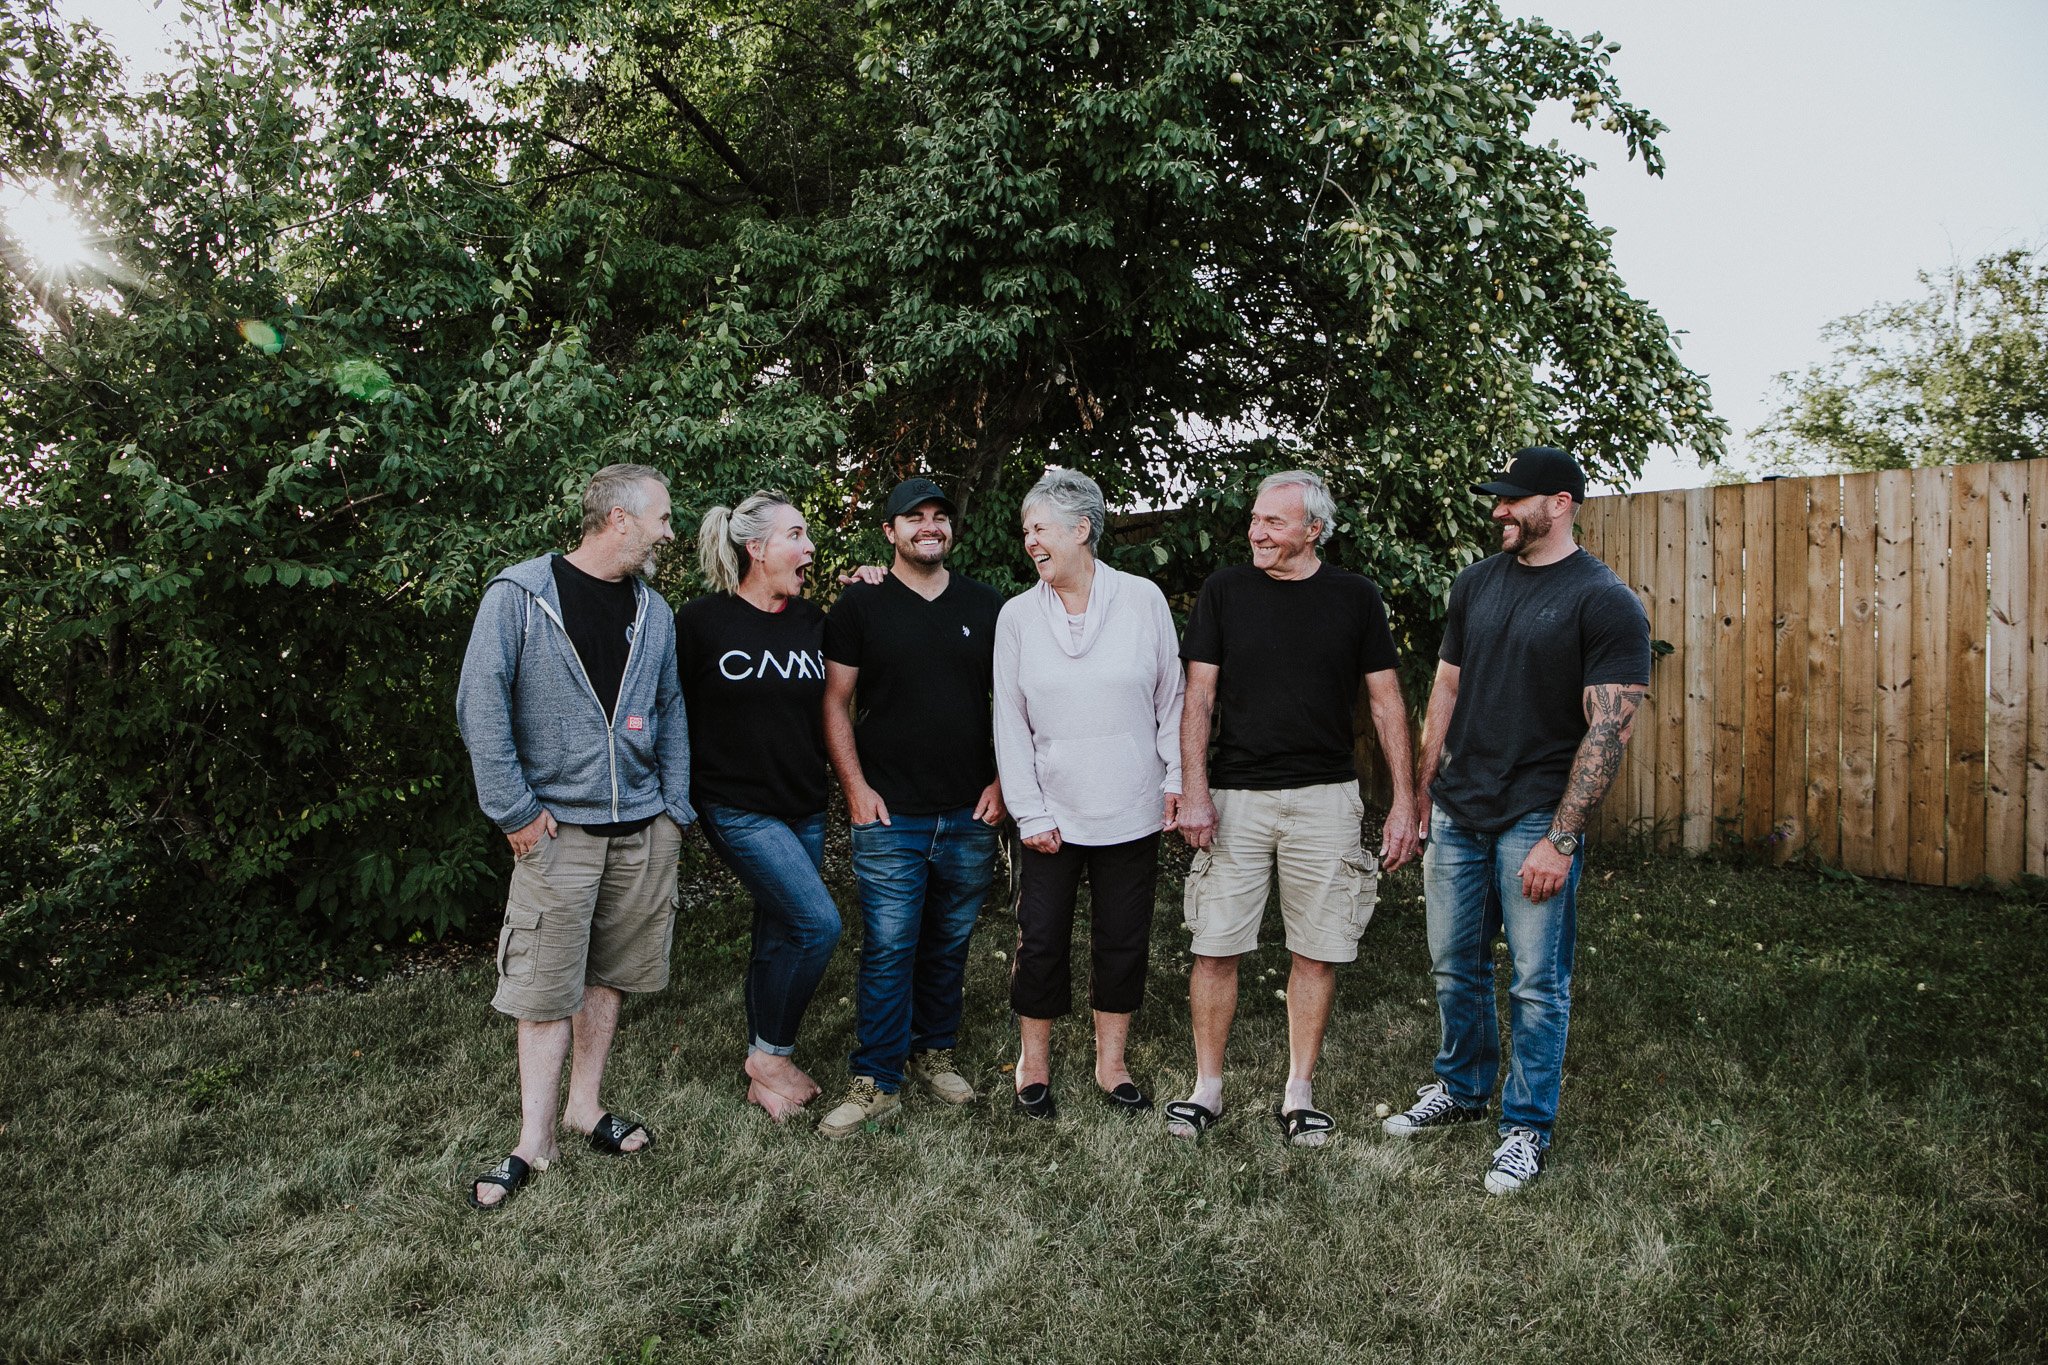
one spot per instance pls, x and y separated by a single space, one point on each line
754 687
598 615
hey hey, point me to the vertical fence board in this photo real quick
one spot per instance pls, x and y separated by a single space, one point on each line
1696 816
1592 526
2005 666
1858 794
1894 606
1927 858
1642 752
2036 859
1668 674
1788 777
1759 605
1728 673
1619 536
1823 666
1969 513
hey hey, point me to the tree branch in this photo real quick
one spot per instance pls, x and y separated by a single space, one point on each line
683 183
713 139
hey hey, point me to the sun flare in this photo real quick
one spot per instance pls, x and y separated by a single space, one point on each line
49 233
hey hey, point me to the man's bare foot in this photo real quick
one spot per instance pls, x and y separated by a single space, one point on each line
783 1076
490 1196
777 1105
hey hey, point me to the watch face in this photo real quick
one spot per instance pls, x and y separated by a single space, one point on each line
1566 844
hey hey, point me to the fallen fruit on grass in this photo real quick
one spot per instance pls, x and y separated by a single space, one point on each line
1380 1111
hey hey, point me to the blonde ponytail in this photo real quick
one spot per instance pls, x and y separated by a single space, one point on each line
723 535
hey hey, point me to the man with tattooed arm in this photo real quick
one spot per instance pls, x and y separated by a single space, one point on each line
1546 655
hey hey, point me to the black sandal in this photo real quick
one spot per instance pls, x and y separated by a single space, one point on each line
508 1175
1297 1124
611 1132
1035 1102
1198 1117
1126 1098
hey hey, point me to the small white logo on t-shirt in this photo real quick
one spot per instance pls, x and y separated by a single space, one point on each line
965 631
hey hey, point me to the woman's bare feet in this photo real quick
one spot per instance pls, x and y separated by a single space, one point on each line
781 1075
777 1105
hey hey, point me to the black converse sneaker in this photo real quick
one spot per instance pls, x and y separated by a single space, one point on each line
1516 1162
1434 1111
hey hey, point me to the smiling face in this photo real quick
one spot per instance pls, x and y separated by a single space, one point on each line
1282 536
646 532
922 536
778 560
1058 551
1525 523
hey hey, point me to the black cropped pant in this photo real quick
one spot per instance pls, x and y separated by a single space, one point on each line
1122 882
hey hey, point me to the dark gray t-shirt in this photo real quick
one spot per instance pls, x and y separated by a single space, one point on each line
1527 643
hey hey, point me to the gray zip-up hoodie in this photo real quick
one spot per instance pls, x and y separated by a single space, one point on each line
536 732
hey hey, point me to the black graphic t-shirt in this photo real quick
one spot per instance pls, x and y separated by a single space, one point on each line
1290 655
754 687
921 705
1527 643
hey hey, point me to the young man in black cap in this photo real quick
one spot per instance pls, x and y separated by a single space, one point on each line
908 671
1545 656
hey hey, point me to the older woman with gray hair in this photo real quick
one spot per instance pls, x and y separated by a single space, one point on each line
1087 731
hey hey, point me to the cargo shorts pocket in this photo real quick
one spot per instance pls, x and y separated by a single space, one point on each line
1191 892
517 942
1362 880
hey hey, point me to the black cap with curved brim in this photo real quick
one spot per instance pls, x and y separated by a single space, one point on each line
914 493
1536 470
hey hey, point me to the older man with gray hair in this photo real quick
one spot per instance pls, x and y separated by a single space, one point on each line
573 714
1275 650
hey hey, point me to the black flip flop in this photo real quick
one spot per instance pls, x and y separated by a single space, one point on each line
611 1132
1196 1116
1296 1124
508 1175
1127 1098
1035 1102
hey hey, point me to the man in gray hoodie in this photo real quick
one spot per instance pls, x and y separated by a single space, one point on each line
571 708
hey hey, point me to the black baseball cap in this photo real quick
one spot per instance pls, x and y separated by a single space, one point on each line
914 493
1535 470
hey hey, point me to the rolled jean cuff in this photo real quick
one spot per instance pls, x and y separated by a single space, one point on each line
759 1045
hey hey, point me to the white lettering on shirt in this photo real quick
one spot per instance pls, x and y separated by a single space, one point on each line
798 663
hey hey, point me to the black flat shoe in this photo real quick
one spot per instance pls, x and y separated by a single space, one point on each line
1127 1098
1034 1102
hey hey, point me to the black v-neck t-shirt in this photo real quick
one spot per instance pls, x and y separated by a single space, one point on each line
921 705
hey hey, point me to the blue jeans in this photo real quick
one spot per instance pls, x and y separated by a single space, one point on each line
922 881
1472 887
796 924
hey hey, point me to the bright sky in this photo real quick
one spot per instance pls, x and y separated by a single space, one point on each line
1821 153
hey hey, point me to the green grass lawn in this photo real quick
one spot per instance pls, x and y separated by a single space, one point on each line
1803 1119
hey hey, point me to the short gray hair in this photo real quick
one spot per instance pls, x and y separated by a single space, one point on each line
617 485
1071 495
1316 503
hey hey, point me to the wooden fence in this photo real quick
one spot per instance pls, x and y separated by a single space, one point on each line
1858 669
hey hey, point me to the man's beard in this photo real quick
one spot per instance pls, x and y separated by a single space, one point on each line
1533 527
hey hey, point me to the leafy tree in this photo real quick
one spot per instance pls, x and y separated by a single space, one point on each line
383 284
1958 375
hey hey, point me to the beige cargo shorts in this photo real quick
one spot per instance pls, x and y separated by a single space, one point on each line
585 910
1329 884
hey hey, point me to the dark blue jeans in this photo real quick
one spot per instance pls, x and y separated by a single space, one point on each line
796 924
922 882
1472 890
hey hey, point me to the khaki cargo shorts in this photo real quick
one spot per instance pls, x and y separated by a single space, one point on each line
1329 884
584 910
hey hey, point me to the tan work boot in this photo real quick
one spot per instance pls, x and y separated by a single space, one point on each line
934 1071
865 1101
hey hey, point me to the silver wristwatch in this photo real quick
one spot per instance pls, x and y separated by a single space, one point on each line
1567 844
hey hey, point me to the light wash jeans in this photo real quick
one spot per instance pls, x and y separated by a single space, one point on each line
922 881
796 923
1472 887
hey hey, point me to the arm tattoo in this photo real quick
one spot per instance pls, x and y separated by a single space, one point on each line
1610 715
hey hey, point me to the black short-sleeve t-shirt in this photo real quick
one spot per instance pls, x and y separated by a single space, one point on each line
921 703
1291 653
754 687
1527 642
598 615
